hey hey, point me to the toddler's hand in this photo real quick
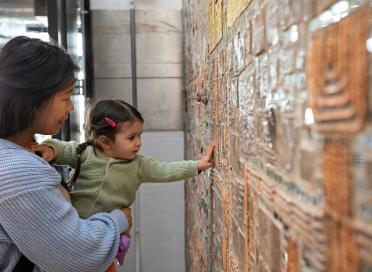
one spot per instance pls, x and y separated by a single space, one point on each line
205 162
46 151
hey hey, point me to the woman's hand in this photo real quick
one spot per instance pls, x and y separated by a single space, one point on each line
46 151
128 215
64 193
206 161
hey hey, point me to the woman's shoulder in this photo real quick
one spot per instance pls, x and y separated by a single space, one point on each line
18 163
12 153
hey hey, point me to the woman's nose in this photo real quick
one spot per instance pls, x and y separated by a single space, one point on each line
71 106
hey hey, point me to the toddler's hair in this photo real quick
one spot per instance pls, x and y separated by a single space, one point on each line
105 111
104 119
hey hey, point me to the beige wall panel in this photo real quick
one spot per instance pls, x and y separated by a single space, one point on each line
160 101
109 88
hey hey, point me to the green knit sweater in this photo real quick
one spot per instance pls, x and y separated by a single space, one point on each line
105 183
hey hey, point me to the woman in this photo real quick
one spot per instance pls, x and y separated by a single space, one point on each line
36 222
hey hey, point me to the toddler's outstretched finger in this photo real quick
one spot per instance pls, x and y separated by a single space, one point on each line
210 150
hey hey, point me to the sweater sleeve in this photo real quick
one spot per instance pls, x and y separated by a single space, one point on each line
47 229
65 152
154 171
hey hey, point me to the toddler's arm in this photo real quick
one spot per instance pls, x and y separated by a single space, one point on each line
154 171
47 152
65 152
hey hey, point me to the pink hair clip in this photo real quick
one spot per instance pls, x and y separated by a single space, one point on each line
110 122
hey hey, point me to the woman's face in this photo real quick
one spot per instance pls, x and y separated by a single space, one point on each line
52 116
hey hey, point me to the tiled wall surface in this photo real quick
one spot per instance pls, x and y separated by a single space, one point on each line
283 86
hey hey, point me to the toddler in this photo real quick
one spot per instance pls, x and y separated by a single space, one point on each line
108 168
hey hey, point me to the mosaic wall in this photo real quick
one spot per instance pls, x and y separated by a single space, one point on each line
282 86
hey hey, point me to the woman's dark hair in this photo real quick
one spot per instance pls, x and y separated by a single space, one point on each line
31 72
105 111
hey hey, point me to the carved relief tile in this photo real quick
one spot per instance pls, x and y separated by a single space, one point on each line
291 12
321 5
362 175
337 74
292 256
239 52
248 42
214 23
337 162
230 12
272 23
258 33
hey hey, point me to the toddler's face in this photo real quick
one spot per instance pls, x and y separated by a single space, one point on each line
128 140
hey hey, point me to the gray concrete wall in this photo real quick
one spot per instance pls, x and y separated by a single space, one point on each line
159 58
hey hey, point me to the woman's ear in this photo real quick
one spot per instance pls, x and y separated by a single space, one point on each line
104 142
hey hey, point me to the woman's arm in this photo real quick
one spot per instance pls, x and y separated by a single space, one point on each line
47 229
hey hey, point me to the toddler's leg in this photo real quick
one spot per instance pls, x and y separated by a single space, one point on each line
123 248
